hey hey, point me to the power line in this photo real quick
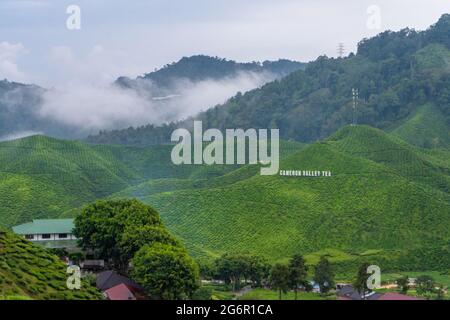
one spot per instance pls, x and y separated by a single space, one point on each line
341 50
355 94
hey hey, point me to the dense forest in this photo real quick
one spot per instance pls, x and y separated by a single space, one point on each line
395 72
201 67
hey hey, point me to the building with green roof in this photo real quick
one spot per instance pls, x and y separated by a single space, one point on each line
51 233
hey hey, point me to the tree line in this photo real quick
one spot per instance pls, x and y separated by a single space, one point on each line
237 270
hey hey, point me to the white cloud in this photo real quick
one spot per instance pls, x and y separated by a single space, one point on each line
85 98
9 54
89 108
97 65
26 3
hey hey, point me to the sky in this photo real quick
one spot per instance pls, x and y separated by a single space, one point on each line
130 38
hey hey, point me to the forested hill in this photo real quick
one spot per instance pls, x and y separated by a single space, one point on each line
16 103
398 75
201 67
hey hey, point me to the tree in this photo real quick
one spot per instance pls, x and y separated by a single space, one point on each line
279 278
102 227
425 285
361 280
233 268
324 275
165 271
203 293
257 270
135 237
440 292
230 269
207 269
403 284
298 273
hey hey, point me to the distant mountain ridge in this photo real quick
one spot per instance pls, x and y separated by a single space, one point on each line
201 67
396 73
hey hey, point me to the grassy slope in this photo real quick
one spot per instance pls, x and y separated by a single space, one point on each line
372 201
43 177
426 128
384 196
28 271
202 177
408 161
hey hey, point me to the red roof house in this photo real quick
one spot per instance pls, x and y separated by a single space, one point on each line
120 292
117 287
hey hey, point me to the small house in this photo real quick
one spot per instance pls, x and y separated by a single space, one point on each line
117 287
51 233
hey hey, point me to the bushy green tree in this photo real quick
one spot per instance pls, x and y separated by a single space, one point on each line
135 237
233 268
102 226
165 271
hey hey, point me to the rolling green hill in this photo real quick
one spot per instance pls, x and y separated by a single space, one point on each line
43 177
28 271
426 128
386 199
384 196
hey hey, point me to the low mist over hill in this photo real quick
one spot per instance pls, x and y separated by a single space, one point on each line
172 93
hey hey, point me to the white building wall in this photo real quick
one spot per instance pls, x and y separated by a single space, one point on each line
53 237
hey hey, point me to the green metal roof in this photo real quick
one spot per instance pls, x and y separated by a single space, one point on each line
45 226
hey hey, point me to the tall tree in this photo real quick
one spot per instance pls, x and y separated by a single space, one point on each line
403 284
279 278
324 275
298 273
360 283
